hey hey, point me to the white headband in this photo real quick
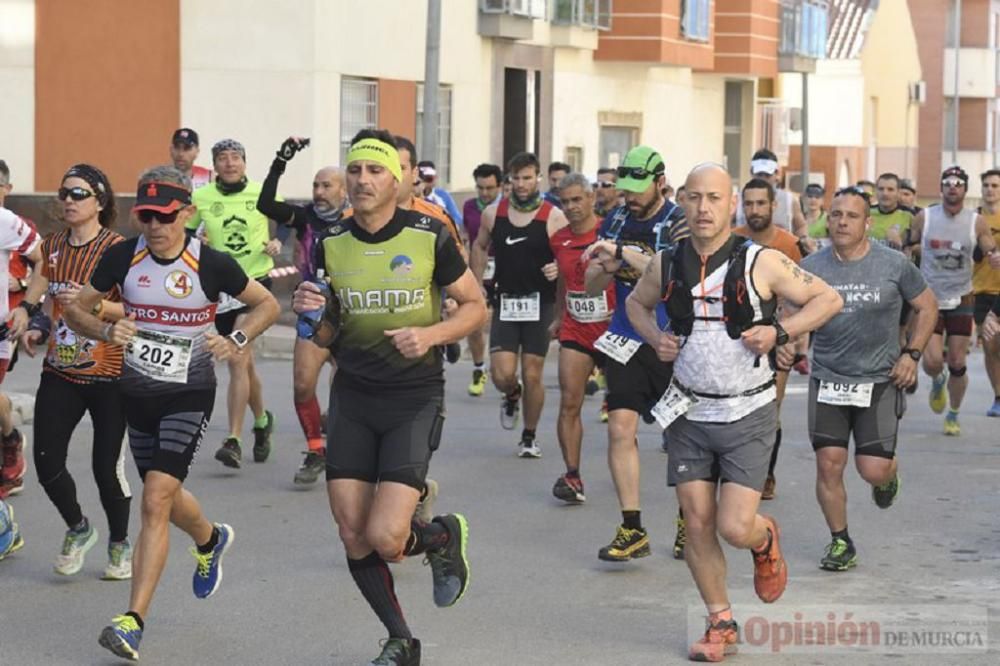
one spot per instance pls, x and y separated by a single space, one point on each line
770 167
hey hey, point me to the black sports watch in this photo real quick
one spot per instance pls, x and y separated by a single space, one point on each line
31 308
239 339
782 338
618 250
915 354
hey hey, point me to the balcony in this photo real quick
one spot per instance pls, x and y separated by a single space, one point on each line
803 35
510 19
977 72
593 14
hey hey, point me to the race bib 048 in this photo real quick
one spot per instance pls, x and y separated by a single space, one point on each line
587 309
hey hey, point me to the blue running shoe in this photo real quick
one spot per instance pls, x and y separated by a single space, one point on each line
208 573
10 533
122 637
994 410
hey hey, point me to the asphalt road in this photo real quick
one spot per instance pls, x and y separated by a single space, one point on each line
538 593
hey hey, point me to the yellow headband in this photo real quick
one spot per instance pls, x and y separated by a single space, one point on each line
379 152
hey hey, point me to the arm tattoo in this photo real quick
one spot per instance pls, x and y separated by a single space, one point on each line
799 274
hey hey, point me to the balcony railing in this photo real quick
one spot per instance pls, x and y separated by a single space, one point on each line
803 29
528 8
594 14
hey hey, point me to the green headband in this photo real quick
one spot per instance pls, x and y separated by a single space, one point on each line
379 152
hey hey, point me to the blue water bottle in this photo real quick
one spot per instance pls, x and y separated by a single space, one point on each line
308 322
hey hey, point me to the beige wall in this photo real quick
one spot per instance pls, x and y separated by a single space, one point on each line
682 113
836 103
890 62
17 81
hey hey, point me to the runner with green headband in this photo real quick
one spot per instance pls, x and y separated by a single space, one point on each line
387 268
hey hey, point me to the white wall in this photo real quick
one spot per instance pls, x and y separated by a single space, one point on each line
275 70
682 113
836 103
17 88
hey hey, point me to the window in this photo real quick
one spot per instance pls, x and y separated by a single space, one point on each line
358 109
803 29
531 8
694 23
442 160
574 158
615 142
587 13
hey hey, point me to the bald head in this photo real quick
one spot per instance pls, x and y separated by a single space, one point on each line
329 188
708 201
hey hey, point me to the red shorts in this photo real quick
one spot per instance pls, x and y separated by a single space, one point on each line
584 335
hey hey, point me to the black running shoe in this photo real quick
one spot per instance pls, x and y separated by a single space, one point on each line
569 489
627 545
399 652
229 454
262 439
884 496
839 556
450 564
312 467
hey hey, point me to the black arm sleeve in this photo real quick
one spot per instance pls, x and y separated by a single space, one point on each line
219 273
279 211
448 262
113 266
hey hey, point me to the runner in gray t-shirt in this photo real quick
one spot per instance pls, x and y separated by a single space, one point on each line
858 370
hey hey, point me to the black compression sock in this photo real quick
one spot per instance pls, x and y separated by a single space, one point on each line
573 473
372 576
842 534
527 434
424 537
632 519
138 620
213 541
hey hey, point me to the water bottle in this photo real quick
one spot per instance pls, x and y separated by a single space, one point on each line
308 322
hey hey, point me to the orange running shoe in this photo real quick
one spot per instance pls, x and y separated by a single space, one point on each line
770 573
719 642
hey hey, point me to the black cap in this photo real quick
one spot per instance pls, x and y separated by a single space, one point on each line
161 197
186 136
907 184
957 172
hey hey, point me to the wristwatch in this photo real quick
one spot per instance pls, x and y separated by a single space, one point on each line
782 338
239 338
618 250
31 308
912 353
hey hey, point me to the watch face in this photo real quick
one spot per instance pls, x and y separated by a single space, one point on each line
239 337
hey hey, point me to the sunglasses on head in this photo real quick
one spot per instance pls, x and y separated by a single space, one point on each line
953 182
74 193
638 173
855 190
147 217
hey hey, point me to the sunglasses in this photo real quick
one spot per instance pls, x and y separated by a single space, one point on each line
953 182
604 184
855 190
74 193
147 217
638 173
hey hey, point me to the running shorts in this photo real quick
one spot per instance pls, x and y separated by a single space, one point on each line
874 427
737 452
225 323
983 305
382 437
957 321
528 337
638 384
165 431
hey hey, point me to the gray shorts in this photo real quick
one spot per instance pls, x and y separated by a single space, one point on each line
874 427
737 452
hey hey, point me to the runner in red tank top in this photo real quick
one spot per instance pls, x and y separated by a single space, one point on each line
582 320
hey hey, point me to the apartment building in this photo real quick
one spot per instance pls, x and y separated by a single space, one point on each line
968 66
575 80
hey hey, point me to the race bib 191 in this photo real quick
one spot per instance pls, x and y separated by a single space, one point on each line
618 347
520 308
160 356
845 395
672 405
587 309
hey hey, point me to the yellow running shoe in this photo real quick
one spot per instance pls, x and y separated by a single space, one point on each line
478 384
951 427
938 397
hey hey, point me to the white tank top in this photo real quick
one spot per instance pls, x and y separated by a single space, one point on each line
947 244
710 362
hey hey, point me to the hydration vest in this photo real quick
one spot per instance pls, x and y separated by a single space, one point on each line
738 311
